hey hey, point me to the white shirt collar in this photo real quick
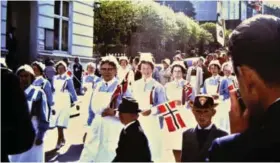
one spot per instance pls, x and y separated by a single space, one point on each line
109 82
206 128
127 125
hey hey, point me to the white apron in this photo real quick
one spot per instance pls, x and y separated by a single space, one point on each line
211 89
36 153
103 135
151 126
193 83
61 106
173 140
221 118
86 99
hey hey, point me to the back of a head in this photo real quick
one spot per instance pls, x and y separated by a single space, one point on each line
256 44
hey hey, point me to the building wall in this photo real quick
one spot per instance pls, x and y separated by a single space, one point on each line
3 24
80 28
205 10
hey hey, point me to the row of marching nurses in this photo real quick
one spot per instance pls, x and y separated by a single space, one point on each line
49 105
103 124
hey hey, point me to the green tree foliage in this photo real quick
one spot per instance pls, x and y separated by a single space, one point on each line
145 24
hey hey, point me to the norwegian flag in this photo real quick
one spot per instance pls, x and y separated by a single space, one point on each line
171 116
69 73
125 83
231 87
117 92
187 93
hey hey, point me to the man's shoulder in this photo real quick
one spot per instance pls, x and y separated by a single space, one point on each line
221 132
226 142
189 131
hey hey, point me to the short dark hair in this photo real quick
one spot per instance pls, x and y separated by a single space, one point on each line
39 67
110 63
183 70
256 43
137 60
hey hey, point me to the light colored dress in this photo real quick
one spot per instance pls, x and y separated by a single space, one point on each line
103 132
37 104
174 91
64 90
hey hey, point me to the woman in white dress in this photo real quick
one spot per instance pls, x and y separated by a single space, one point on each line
104 125
38 109
125 74
149 93
178 90
63 91
42 82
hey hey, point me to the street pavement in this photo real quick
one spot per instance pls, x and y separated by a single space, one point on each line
74 136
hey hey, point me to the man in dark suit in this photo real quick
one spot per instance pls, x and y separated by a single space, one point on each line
196 141
254 48
78 70
133 145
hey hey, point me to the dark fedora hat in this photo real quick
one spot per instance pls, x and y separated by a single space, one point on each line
128 105
203 101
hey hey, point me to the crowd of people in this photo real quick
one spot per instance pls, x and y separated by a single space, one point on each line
137 110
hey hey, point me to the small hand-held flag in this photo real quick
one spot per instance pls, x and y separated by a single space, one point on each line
117 92
171 116
125 83
187 92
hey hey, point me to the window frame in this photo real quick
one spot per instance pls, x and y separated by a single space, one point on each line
60 17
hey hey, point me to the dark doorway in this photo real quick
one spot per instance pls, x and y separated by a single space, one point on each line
18 19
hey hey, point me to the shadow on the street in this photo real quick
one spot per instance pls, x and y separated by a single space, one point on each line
72 155
51 156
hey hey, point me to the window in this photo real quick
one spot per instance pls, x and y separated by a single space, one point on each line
49 37
61 25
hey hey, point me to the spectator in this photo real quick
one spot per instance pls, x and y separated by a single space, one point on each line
196 141
17 132
77 80
165 72
254 47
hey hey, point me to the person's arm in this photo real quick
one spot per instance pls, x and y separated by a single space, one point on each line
204 87
48 91
159 98
90 112
71 89
43 117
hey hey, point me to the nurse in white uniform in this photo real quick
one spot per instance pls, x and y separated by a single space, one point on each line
103 124
43 83
195 77
38 109
177 90
124 72
149 93
64 90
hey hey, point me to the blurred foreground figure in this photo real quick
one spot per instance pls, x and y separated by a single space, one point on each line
254 47
17 132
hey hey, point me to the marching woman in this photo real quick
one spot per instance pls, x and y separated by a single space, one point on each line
89 79
63 91
227 80
195 77
124 72
89 82
212 84
43 83
149 93
38 109
104 125
181 91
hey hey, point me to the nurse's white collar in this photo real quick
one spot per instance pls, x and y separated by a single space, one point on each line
28 89
178 81
147 80
110 82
